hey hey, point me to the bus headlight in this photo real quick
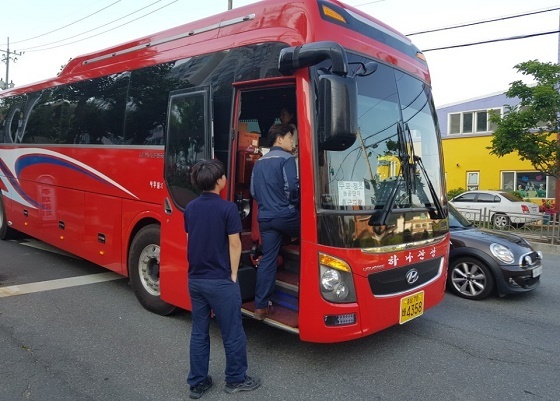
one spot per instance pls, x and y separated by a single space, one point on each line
330 279
336 282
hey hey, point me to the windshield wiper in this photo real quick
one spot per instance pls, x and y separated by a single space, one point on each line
439 212
379 217
408 173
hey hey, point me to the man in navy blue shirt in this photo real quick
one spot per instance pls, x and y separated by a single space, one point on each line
275 186
214 250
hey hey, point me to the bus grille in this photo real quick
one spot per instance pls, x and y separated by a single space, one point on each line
394 281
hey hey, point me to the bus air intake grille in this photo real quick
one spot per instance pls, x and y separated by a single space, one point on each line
395 281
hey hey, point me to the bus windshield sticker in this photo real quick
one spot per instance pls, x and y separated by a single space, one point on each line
351 193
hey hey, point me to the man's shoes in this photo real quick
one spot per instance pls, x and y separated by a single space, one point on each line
260 313
200 388
249 384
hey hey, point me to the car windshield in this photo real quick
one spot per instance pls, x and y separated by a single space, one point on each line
456 219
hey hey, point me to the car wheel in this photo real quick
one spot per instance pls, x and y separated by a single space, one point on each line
143 269
470 278
500 221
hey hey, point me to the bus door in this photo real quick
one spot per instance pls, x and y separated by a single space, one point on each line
256 110
189 138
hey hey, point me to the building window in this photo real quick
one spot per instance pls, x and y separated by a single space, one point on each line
481 121
467 123
472 180
455 123
530 184
472 121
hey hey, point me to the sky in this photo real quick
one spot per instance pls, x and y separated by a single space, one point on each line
51 32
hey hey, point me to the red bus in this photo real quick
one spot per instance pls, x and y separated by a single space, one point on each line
96 161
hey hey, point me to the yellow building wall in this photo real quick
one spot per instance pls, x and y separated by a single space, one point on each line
469 154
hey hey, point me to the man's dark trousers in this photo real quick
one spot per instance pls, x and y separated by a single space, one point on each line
223 297
272 232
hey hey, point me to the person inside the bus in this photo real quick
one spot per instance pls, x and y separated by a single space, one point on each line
214 251
288 117
275 187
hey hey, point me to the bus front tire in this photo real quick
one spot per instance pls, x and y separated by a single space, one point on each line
143 269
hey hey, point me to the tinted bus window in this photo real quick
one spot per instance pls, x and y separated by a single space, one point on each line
96 110
12 124
147 104
187 142
45 110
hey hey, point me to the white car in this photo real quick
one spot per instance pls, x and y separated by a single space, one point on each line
498 207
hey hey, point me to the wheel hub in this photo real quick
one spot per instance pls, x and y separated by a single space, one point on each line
148 267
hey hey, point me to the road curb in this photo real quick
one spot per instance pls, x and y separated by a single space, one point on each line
546 248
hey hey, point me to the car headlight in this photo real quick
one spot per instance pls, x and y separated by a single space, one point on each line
336 282
502 252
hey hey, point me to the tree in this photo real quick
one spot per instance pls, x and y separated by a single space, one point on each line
531 127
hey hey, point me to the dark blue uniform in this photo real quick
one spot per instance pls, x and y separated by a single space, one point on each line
275 186
208 221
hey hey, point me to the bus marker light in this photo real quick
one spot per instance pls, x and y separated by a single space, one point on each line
329 12
62 237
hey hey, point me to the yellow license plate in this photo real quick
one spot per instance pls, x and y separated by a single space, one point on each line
411 306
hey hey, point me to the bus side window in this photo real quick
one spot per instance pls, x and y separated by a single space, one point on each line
188 131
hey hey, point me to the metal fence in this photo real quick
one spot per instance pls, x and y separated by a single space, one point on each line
542 227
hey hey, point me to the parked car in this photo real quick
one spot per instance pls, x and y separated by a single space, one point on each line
500 208
481 261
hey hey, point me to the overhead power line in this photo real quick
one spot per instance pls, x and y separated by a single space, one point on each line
491 41
91 30
525 14
369 2
67 25
100 33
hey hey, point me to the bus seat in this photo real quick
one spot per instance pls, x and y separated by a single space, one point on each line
255 232
256 252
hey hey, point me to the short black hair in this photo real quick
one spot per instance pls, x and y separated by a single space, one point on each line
279 130
206 173
292 110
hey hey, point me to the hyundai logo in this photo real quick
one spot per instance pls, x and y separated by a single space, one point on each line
412 276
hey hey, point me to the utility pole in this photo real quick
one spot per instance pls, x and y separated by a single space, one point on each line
230 4
6 57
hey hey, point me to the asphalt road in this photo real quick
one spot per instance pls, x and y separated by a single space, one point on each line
95 342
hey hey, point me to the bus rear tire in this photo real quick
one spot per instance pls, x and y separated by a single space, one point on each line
5 231
143 269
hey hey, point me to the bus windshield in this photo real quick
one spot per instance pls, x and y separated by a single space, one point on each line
395 161
387 188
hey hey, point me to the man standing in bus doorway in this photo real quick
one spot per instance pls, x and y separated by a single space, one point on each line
275 186
214 250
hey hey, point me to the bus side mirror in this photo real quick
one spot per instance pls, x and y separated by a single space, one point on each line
337 112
